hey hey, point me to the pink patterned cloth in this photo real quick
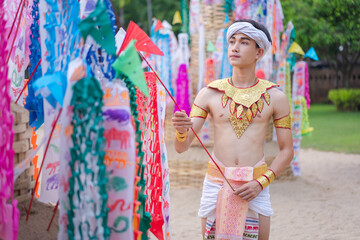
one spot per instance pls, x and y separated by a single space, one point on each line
226 212
231 210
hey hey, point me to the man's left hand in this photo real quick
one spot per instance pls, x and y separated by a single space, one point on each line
249 190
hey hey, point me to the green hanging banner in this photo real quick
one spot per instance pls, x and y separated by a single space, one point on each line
185 17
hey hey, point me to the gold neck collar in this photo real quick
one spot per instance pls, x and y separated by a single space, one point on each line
240 98
243 96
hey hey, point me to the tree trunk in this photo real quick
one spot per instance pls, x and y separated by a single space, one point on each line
345 75
346 72
336 79
149 14
121 17
335 65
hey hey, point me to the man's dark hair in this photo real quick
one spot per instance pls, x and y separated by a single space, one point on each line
257 25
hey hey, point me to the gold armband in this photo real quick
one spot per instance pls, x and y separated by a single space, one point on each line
197 111
265 179
181 137
284 122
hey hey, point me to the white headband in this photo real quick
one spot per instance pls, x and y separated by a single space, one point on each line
252 32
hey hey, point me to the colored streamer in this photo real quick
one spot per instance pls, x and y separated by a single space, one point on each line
9 214
182 89
88 213
35 103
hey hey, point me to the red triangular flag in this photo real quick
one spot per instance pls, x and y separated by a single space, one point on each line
143 42
158 26
157 223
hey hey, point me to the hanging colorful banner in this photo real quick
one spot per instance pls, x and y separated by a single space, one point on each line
281 75
35 103
9 214
88 213
182 94
180 56
256 10
226 68
218 54
195 16
18 43
154 186
54 67
76 71
161 105
298 91
162 39
119 160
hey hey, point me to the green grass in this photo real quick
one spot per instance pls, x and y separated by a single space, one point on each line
333 131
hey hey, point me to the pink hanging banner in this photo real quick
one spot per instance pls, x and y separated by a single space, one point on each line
182 89
9 214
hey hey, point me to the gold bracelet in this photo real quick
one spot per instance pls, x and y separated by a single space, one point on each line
263 181
181 137
270 175
181 134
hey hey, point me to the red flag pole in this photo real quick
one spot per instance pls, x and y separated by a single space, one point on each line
17 28
17 12
32 74
52 218
142 56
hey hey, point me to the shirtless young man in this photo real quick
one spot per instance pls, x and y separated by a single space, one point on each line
240 107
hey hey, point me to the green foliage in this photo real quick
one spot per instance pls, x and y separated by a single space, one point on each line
332 27
136 11
324 24
333 131
345 99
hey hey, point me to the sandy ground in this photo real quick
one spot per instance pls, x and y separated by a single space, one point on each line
324 203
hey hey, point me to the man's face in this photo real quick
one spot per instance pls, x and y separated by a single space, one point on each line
242 50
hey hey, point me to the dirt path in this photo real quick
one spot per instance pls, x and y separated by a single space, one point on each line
321 204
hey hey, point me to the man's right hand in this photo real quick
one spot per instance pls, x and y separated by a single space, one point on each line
181 121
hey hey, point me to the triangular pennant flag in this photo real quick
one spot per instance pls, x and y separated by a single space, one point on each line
98 26
119 38
260 11
129 64
312 54
156 226
52 88
158 25
295 48
177 18
210 47
143 42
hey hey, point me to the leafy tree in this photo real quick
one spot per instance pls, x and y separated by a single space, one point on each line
332 27
136 11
